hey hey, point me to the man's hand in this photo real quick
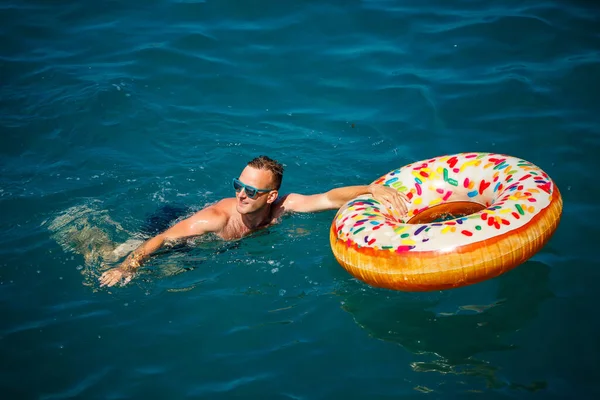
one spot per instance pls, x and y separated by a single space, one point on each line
114 275
389 197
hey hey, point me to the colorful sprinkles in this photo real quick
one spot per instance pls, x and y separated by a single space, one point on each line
512 190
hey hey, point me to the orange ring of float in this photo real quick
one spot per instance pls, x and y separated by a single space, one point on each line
508 207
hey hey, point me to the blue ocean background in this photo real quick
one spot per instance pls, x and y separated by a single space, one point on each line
113 110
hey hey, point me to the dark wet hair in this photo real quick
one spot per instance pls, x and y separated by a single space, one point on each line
264 162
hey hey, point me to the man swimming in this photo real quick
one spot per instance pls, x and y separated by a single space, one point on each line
257 205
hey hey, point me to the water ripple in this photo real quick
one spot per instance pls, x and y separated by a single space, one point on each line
227 386
80 387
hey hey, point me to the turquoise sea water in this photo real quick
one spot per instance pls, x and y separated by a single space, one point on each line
113 110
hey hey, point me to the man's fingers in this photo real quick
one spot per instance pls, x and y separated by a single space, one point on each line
393 202
393 199
403 197
109 278
106 281
402 207
112 281
399 202
399 206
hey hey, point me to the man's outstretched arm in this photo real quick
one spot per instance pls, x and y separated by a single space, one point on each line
205 221
335 198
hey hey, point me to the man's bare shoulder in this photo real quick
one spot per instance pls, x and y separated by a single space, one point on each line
295 202
284 204
212 218
223 209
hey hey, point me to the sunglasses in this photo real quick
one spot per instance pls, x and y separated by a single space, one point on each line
251 191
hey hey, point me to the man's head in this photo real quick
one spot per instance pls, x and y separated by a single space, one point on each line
265 175
268 164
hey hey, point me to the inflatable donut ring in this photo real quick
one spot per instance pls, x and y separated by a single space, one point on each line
503 210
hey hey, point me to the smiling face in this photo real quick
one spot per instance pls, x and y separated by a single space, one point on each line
260 179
